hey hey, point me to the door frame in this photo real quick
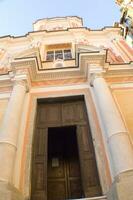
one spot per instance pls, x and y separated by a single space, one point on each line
101 159
82 131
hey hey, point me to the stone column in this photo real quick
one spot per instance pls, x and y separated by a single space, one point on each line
119 144
9 131
116 133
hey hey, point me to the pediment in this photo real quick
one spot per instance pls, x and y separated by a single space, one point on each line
28 53
89 48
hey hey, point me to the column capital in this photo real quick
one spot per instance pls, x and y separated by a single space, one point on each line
94 76
23 81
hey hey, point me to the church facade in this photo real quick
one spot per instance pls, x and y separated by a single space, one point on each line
66 113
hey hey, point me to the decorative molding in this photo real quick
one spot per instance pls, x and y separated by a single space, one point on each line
79 71
4 70
88 63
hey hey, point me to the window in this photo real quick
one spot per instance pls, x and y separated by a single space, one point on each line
50 56
67 54
59 54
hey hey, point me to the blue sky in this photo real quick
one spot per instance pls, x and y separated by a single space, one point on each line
17 16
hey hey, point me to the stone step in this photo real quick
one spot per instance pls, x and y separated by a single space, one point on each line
97 198
92 198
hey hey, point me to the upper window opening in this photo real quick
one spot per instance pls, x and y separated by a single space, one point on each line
50 56
67 54
59 54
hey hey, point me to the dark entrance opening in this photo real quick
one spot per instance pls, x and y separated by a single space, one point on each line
63 170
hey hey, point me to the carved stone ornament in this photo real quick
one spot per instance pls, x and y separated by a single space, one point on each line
5 70
94 76
22 83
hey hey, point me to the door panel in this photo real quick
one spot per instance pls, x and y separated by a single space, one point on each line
56 172
49 114
90 176
57 189
39 195
39 174
74 179
73 168
39 165
72 113
75 188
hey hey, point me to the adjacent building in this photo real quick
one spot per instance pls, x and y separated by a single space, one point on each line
66 113
126 21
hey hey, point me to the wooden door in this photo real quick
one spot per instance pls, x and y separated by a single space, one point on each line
64 179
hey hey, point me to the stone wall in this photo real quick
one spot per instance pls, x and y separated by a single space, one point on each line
124 99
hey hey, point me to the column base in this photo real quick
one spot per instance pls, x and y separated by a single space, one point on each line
9 192
122 188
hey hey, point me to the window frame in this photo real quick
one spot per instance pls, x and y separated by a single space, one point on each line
63 54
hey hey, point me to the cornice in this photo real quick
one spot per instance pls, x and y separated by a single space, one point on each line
27 37
57 17
38 74
5 82
85 60
120 71
88 63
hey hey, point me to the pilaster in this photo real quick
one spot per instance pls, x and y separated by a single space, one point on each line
8 139
118 140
